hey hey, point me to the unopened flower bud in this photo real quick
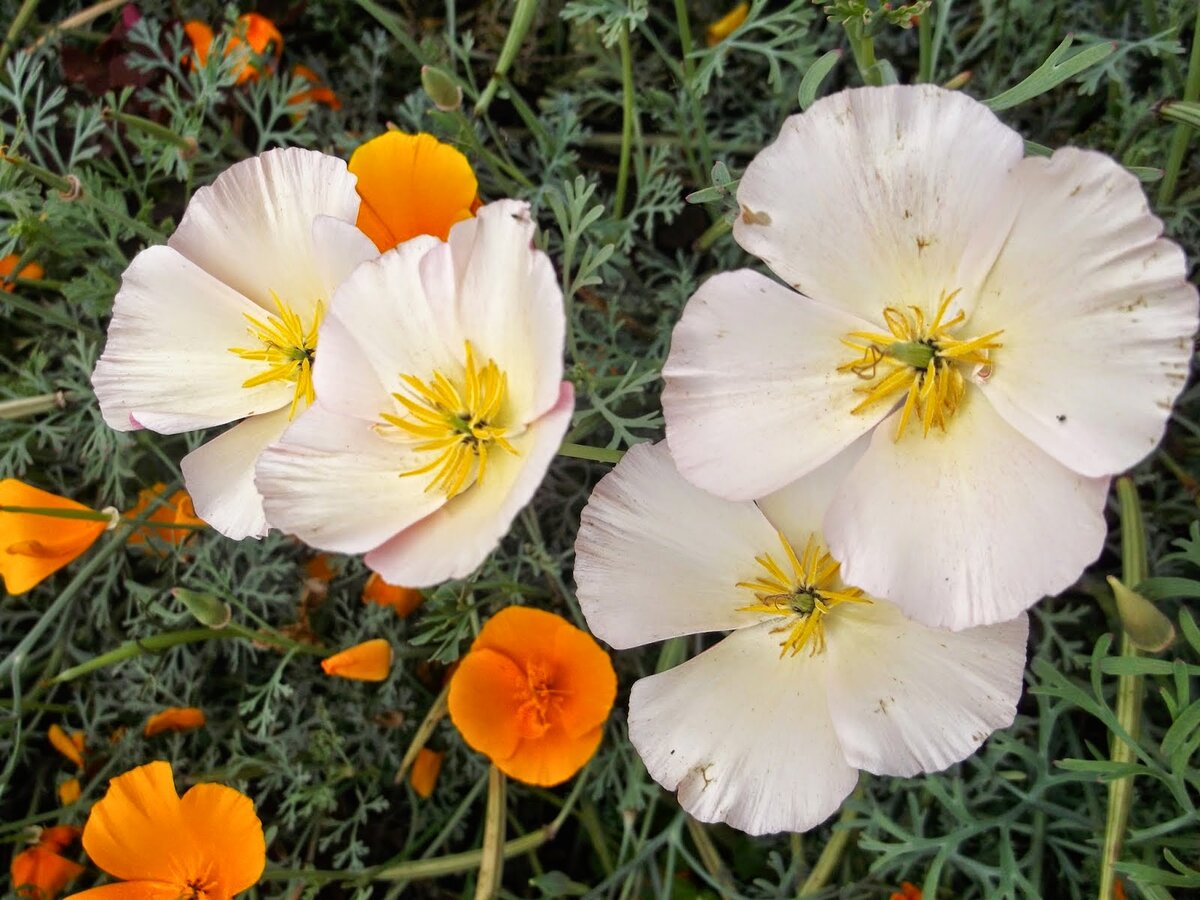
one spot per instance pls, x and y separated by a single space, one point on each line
205 608
1147 627
441 88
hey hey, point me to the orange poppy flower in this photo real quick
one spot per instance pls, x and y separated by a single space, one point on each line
8 264
208 843
39 872
33 547
403 600
318 93
69 791
424 773
255 37
532 695
368 661
174 718
908 891
726 25
176 510
69 745
411 184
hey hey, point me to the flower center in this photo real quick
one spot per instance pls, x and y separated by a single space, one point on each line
537 699
920 359
457 422
803 596
288 349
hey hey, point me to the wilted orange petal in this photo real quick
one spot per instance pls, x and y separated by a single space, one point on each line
58 837
223 824
368 661
411 185
726 25
425 769
174 510
175 718
320 568
69 745
201 37
40 873
33 547
8 264
69 791
403 600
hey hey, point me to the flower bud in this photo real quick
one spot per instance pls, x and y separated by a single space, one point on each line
441 88
205 608
1147 627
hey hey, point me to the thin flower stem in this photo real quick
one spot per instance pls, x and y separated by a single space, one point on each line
709 855
56 513
832 854
689 78
14 30
186 145
862 45
712 234
627 114
491 863
595 454
1130 690
521 20
925 48
1179 140
424 731
32 406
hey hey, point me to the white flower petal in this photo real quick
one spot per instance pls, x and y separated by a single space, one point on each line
510 303
219 476
452 542
743 735
167 363
252 228
753 399
339 248
657 557
907 699
881 196
332 481
381 325
1097 314
798 510
967 527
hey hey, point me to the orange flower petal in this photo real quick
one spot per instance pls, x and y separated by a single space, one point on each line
425 769
69 791
256 36
175 510
411 185
201 37
320 568
318 93
59 837
908 891
368 661
8 264
224 826
69 745
532 694
40 873
174 718
131 890
726 25
33 547
403 600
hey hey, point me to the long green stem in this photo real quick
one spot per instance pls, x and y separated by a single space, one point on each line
862 45
831 855
595 454
626 122
1130 690
14 30
32 406
491 862
521 20
1183 133
925 48
688 67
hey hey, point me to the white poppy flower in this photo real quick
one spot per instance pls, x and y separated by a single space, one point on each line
221 323
440 403
1013 332
767 729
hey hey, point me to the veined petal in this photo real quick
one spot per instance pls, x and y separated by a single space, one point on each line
510 303
965 527
798 510
743 735
34 547
753 399
881 196
335 483
907 699
1097 313
657 557
220 476
167 363
130 890
454 540
252 227
339 247
222 821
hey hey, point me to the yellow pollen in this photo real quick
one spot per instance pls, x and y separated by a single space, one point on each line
457 422
288 349
803 596
919 359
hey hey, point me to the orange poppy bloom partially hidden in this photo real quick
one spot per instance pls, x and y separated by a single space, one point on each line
256 43
411 184
532 695
33 547
39 872
71 745
157 529
368 661
208 843
174 718
318 92
726 25
403 600
425 769
908 891
32 271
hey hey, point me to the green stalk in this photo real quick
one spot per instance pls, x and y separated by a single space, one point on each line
32 406
831 855
1130 691
709 855
51 512
862 45
14 30
521 20
491 862
689 77
187 146
925 48
595 454
1179 140
626 122
424 732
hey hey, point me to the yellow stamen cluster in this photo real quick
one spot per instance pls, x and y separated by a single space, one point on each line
805 595
920 358
288 349
459 424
